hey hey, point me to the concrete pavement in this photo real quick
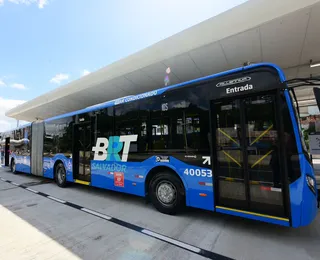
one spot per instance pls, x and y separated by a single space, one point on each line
35 227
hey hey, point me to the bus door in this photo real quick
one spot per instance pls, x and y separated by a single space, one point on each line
246 155
82 151
7 151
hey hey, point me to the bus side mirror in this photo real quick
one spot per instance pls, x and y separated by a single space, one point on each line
316 92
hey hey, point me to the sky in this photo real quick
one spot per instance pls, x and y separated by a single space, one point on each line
45 44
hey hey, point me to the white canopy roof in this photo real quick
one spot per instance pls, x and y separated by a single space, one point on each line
284 32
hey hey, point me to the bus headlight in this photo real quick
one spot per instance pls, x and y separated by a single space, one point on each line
311 183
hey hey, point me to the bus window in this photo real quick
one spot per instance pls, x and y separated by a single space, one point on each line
104 122
197 129
49 145
64 136
58 137
168 126
160 134
28 140
198 114
19 145
128 121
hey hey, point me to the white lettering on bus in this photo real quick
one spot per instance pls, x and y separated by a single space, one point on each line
233 81
239 89
127 139
108 150
132 98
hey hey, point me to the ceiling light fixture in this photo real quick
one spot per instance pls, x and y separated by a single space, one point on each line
314 64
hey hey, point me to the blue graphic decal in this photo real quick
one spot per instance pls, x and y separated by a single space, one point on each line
115 146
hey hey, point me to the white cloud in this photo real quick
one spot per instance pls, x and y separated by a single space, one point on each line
18 86
59 77
7 123
2 84
25 2
40 3
85 72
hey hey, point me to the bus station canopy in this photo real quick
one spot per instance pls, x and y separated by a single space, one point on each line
284 32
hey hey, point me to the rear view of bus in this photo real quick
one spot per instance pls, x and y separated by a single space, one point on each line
260 162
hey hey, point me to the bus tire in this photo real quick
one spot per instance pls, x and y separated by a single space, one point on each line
60 175
13 166
167 193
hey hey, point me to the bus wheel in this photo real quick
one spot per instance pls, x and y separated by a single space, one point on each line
60 175
13 167
167 193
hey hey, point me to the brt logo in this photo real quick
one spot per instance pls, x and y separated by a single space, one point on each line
108 150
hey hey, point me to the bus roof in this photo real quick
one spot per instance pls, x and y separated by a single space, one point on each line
162 90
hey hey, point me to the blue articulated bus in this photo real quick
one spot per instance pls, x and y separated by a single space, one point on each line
229 143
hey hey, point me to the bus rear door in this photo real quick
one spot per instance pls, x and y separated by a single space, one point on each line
82 151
